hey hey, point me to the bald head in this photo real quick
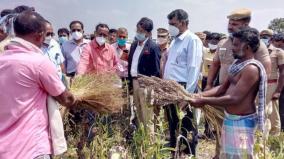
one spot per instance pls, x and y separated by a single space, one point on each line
29 22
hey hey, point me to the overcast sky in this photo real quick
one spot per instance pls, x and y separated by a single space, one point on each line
203 14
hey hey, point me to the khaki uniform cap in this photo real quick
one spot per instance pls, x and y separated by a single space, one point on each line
239 14
162 32
266 32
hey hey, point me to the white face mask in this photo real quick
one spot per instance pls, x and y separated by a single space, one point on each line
100 40
47 39
212 46
77 35
162 41
174 31
266 41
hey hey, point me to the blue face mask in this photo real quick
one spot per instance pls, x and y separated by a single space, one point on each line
62 40
121 42
140 36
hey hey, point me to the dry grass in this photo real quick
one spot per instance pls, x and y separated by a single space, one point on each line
165 92
101 92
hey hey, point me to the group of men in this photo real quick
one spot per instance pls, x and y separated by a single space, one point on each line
235 70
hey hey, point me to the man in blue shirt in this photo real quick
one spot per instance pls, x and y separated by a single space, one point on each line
183 65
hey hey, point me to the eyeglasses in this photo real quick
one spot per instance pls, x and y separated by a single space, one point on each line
78 30
49 34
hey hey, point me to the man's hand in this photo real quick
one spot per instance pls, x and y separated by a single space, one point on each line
275 95
208 87
183 105
196 102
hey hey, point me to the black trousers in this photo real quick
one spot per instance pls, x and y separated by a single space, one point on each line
187 127
281 109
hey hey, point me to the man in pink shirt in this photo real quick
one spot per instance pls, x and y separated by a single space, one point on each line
26 78
98 56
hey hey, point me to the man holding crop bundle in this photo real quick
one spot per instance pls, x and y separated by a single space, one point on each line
27 78
183 66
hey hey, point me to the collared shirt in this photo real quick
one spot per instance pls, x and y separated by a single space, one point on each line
72 52
27 77
184 60
224 54
97 59
135 59
122 65
54 54
277 59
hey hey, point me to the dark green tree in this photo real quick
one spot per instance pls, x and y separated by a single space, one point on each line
277 25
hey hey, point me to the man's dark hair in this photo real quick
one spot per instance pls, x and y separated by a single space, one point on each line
6 12
63 30
180 14
215 36
208 33
22 8
146 24
278 37
101 25
112 31
76 22
29 22
250 36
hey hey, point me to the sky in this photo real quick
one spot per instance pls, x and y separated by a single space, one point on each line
203 14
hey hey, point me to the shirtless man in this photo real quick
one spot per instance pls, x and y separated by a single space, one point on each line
237 95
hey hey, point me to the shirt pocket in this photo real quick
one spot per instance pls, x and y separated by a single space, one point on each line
181 58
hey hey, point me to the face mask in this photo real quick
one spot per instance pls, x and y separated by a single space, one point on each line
230 35
77 35
121 42
100 40
265 41
47 39
62 39
140 36
162 41
173 30
212 46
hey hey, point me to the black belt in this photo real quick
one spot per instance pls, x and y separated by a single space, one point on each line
72 74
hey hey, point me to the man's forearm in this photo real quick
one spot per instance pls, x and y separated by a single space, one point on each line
223 101
211 92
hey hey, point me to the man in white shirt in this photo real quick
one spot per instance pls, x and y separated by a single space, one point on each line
52 50
183 66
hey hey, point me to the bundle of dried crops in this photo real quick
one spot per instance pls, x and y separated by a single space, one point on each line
101 92
165 92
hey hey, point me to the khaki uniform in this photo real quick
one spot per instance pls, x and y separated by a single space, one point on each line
272 106
207 61
224 54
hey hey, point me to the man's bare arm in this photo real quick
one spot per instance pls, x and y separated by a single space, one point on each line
216 91
249 77
66 99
